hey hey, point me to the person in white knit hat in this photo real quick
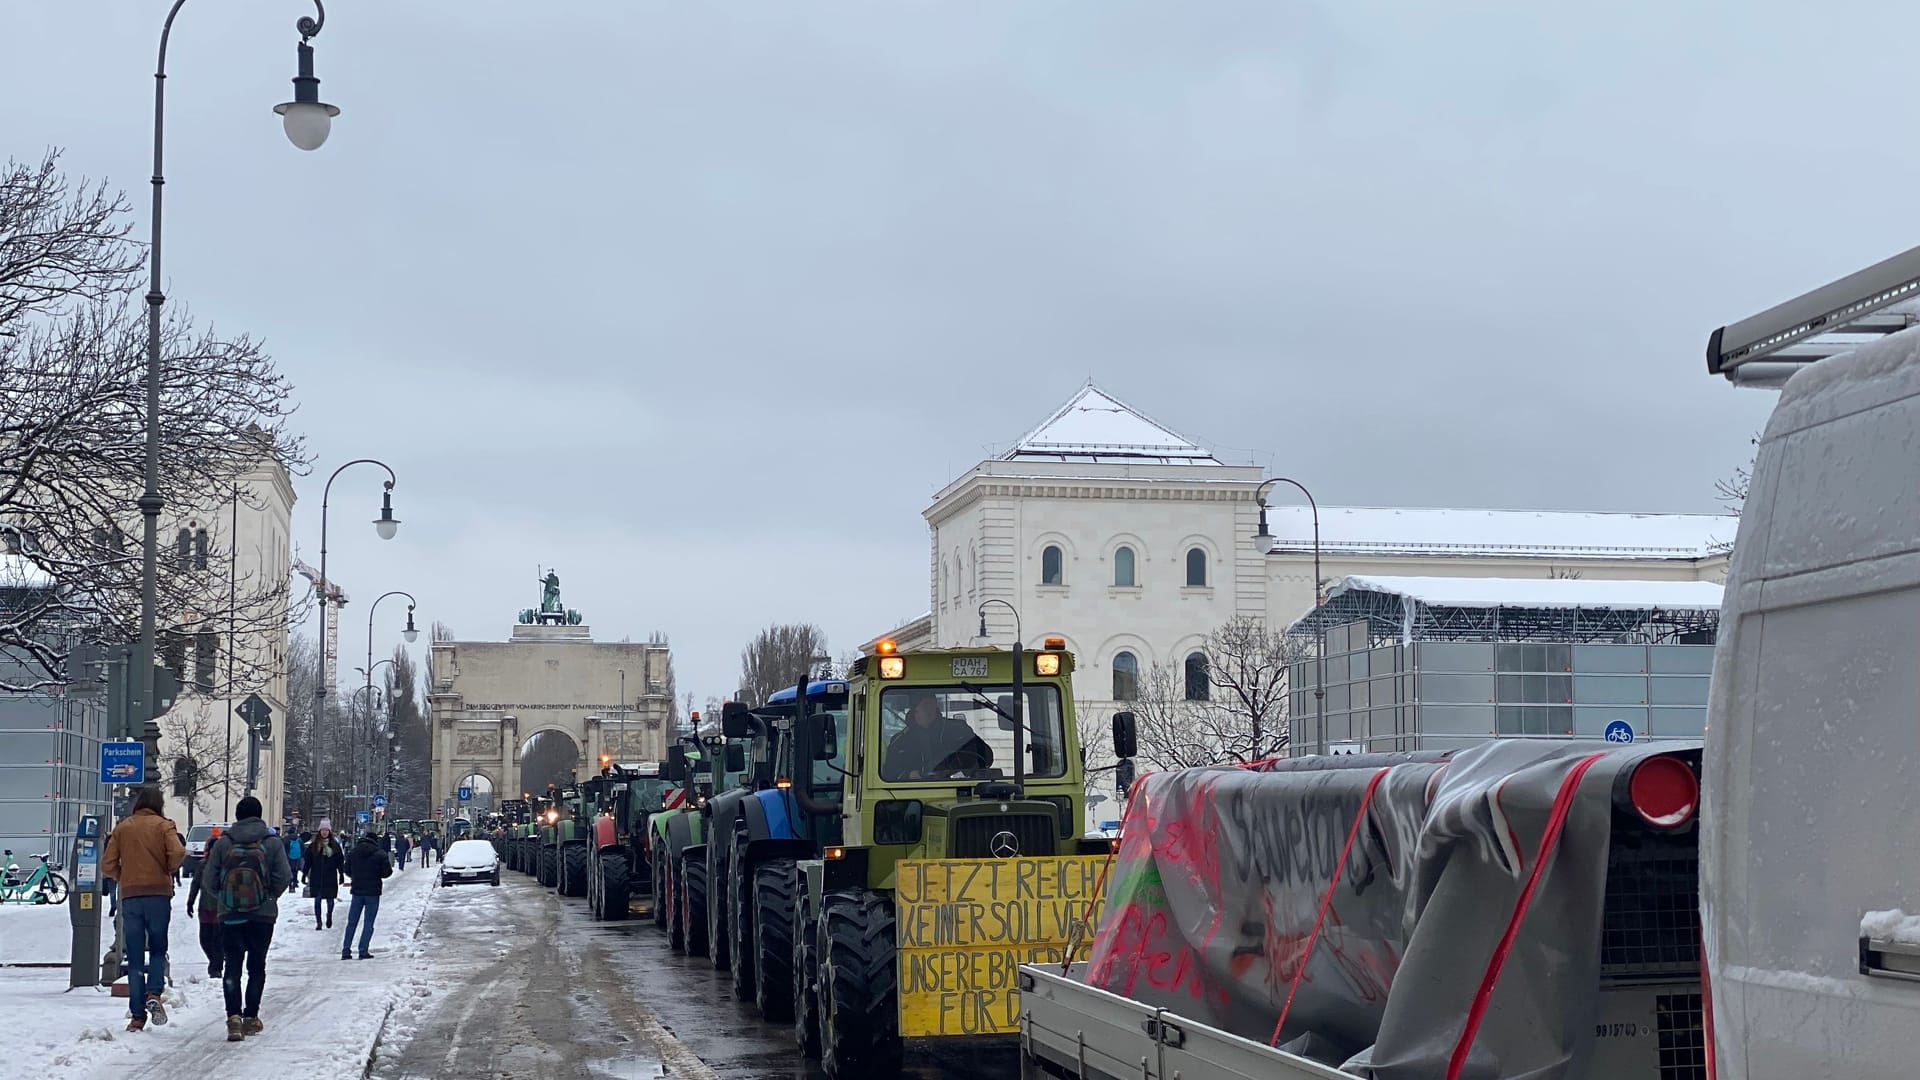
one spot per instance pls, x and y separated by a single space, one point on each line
326 859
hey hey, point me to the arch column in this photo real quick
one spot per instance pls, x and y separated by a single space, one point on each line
509 758
592 747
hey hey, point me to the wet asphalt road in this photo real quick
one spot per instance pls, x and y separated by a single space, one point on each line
535 988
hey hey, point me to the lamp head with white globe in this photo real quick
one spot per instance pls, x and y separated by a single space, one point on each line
306 118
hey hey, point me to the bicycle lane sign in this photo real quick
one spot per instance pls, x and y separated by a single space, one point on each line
123 763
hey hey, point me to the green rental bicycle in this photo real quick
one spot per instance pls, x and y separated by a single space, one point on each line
43 886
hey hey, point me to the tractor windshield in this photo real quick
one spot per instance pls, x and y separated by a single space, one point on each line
945 732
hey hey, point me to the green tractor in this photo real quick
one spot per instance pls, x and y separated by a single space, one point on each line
627 797
678 836
513 813
566 838
946 852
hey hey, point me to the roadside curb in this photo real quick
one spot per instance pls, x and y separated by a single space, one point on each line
380 1033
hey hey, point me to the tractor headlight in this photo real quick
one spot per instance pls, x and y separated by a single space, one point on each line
893 667
1046 663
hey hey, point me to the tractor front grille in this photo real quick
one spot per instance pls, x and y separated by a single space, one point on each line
1650 926
972 837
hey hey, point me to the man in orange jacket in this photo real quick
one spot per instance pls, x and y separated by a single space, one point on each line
142 854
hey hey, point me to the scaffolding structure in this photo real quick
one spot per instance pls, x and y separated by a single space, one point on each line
1396 618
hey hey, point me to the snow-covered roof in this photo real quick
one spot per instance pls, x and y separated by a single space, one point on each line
1095 425
1554 593
1372 530
19 572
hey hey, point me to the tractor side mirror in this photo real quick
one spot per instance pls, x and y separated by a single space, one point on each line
736 757
736 720
676 764
826 737
1125 737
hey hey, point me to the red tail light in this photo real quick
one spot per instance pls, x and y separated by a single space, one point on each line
1664 792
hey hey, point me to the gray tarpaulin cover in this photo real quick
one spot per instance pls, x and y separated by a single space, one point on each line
1222 875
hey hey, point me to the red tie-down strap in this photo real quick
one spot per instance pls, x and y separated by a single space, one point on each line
1326 901
1549 840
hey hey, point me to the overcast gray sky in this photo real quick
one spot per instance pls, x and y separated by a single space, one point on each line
699 303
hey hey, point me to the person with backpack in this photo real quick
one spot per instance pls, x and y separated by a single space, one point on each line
367 867
143 853
295 849
326 863
248 866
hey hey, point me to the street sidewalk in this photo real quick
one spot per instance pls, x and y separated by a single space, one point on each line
322 1014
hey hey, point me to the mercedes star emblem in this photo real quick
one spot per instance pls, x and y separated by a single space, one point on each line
1004 845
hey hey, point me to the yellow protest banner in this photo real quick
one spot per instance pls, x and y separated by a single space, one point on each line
966 925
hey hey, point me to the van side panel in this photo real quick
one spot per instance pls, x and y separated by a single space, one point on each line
1812 802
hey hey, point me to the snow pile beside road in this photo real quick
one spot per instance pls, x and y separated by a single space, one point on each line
322 1014
39 933
1896 926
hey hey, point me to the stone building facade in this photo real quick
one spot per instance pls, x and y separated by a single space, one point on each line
1110 529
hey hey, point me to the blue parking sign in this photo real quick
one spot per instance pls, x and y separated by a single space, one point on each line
123 763
362 816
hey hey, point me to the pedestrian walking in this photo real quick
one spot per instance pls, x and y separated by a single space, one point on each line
401 849
429 847
143 853
248 867
295 850
306 841
326 863
367 867
204 905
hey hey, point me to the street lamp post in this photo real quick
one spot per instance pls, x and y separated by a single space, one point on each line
386 525
1266 542
299 113
1019 694
363 741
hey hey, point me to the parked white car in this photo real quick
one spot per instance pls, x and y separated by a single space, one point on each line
470 860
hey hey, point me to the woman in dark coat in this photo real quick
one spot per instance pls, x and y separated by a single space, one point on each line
326 859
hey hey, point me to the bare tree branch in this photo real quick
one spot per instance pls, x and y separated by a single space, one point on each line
778 657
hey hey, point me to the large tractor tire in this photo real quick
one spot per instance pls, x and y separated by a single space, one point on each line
859 1022
677 907
549 866
613 886
718 928
693 892
806 994
773 888
662 886
573 868
739 902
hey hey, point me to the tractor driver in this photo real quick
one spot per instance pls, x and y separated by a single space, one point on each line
933 744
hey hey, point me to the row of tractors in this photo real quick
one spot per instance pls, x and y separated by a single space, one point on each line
869 858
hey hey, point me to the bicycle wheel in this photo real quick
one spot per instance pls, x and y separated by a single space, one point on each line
55 888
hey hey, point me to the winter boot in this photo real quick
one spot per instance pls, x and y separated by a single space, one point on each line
236 1029
156 1012
250 1025
137 1023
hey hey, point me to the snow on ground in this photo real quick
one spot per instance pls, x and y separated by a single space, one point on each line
37 934
322 1014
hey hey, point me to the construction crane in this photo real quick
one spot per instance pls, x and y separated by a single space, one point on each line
332 599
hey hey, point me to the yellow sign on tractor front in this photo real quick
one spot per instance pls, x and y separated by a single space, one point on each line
966 925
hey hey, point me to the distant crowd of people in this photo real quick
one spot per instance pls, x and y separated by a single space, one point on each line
234 893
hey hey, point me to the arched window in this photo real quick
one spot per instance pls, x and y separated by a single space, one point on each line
185 778
1053 569
1123 567
200 550
1126 675
183 548
1196 568
1197 677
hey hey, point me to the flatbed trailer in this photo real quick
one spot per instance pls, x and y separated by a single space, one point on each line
1070 1029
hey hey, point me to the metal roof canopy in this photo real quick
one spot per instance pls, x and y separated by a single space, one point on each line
1765 349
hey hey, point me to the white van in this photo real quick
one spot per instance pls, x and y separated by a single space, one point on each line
1811 813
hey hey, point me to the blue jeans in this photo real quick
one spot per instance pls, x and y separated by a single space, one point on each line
143 925
317 901
371 906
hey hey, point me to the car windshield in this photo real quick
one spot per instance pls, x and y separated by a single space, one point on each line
944 732
199 833
470 852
